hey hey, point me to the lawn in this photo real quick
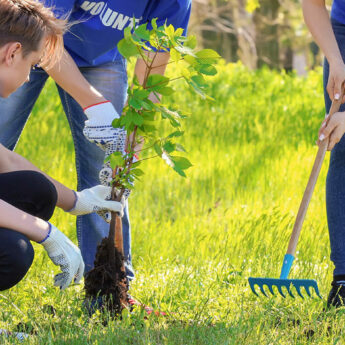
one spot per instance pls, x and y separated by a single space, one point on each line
195 241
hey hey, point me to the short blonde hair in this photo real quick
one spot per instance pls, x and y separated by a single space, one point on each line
28 22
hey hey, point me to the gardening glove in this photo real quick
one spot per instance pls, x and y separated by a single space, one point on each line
99 130
96 199
65 254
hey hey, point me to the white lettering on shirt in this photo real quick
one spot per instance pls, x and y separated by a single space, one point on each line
108 17
87 5
97 9
120 22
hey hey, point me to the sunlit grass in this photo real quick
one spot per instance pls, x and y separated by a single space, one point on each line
197 240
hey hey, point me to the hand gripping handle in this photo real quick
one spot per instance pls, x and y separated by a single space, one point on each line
311 183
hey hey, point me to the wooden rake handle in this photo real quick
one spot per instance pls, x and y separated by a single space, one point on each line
311 183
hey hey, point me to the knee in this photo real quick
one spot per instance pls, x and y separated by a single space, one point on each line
16 261
45 193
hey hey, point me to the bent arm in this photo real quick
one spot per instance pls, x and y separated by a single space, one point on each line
317 19
12 218
66 73
11 161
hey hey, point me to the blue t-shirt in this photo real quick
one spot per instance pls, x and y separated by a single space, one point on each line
100 24
338 11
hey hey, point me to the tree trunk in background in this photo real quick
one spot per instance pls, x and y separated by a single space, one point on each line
245 28
212 22
273 35
267 35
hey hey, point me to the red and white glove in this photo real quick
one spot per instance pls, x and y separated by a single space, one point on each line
99 130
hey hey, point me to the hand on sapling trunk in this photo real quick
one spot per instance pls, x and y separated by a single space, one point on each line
96 199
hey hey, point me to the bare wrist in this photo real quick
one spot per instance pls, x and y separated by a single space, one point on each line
335 60
44 231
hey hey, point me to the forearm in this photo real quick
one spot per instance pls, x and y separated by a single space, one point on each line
158 67
141 71
11 161
12 218
317 19
66 73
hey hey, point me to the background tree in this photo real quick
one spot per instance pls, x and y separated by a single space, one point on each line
257 32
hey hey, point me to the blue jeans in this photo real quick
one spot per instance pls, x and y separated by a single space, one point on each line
111 80
335 184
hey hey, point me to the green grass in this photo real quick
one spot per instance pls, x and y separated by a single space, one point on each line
197 240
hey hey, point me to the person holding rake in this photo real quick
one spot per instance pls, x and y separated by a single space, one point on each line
31 35
329 33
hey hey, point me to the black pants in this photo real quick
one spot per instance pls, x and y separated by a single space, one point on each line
33 193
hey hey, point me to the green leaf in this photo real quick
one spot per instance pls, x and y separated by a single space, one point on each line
142 32
116 160
206 69
185 50
140 93
135 103
148 105
199 80
175 134
181 162
170 31
175 55
154 23
179 32
127 33
165 90
148 129
127 48
155 81
207 56
136 118
158 149
190 59
137 172
116 123
136 164
131 119
149 115
169 147
196 88
179 147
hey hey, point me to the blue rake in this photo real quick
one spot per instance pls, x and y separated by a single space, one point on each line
283 281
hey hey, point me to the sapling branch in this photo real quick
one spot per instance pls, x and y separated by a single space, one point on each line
108 278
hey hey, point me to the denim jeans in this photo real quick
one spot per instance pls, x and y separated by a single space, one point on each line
335 183
111 80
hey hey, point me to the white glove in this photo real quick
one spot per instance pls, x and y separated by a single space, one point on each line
99 130
96 199
65 254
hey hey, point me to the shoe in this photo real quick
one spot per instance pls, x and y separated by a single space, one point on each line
133 302
336 297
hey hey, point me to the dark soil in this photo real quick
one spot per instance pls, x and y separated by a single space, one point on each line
108 279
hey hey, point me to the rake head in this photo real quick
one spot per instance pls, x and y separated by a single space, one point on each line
284 283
